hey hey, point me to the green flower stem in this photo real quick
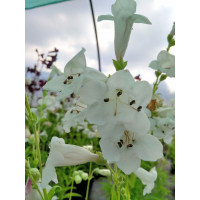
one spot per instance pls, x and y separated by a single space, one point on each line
155 85
89 179
37 141
117 181
127 188
72 185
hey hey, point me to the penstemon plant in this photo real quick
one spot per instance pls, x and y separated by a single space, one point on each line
125 118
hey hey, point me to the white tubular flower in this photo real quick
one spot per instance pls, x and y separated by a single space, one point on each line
163 126
121 144
62 154
165 63
120 97
147 178
69 81
123 17
74 116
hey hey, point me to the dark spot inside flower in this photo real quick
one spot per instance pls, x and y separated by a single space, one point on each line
79 74
129 145
121 141
132 102
163 131
106 100
70 77
133 140
65 82
119 144
139 108
72 95
71 111
119 93
173 128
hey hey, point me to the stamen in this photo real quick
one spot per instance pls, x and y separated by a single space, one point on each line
72 111
70 77
121 141
129 145
106 100
119 93
65 82
132 102
72 95
119 144
115 113
139 108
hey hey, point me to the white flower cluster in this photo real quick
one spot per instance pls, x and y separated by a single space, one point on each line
116 105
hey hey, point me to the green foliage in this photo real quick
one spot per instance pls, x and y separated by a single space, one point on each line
119 65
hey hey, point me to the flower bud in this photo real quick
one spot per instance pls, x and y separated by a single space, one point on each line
27 165
84 175
77 179
35 173
104 172
32 139
43 136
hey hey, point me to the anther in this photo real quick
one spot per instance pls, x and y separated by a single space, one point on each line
163 131
119 144
71 111
121 141
70 77
119 93
72 95
139 108
132 102
173 128
129 145
106 100
65 82
79 74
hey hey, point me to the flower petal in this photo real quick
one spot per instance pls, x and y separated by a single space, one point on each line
56 84
109 149
77 64
142 93
121 80
105 17
129 161
92 91
148 147
140 19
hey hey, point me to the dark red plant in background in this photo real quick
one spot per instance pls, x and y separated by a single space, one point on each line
43 61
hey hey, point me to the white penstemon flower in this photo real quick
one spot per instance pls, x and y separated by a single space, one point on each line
165 63
123 100
74 116
123 17
147 178
62 154
69 81
163 126
120 143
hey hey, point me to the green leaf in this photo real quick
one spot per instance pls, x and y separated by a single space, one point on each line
52 191
120 64
72 194
163 77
